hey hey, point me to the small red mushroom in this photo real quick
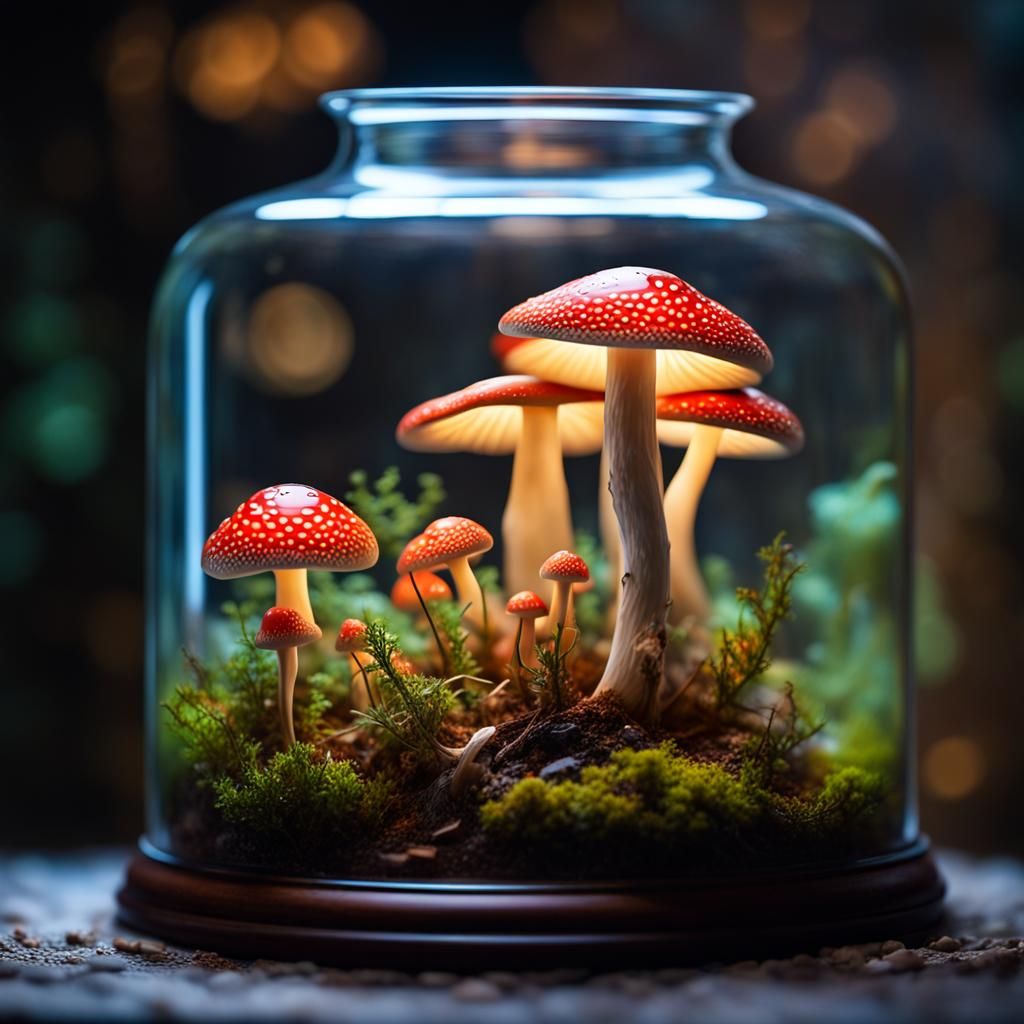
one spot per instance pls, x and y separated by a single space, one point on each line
284 630
538 421
527 607
350 640
745 423
563 568
451 542
632 312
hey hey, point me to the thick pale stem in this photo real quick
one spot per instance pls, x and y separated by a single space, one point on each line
682 497
527 641
288 670
468 590
293 591
538 518
609 537
637 658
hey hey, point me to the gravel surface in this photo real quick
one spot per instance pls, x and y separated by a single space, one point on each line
63 958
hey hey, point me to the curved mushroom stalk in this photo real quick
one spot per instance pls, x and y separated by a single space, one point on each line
636 661
690 601
537 518
467 771
287 673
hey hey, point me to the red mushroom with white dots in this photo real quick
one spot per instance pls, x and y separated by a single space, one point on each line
284 630
527 607
564 569
632 312
451 541
351 639
741 424
539 422
287 530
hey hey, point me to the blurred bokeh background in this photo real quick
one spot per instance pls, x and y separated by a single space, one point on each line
122 124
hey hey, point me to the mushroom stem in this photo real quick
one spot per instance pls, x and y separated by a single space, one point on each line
469 591
526 642
637 658
288 670
682 497
293 591
561 600
433 629
609 529
361 670
538 518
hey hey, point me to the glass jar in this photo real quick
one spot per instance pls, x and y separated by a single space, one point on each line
291 333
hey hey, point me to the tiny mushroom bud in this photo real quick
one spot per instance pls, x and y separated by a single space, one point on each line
564 568
284 630
741 424
527 607
350 640
538 421
629 313
452 541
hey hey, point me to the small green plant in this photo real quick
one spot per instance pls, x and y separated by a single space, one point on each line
744 653
549 676
447 617
311 802
392 516
788 727
211 743
412 707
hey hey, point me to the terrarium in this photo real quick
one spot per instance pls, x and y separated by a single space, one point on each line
529 560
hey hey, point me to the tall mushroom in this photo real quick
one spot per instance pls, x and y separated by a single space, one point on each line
284 630
288 529
538 421
632 312
741 424
451 542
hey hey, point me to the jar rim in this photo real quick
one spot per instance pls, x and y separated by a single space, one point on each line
419 103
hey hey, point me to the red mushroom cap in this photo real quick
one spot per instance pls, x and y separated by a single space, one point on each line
756 426
351 636
285 627
432 587
442 541
289 526
565 566
526 605
705 345
484 417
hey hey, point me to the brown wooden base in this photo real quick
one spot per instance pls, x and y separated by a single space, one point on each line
467 927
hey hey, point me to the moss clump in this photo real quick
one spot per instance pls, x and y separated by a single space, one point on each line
313 803
660 807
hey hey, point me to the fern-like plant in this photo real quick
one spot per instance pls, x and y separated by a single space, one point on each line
392 516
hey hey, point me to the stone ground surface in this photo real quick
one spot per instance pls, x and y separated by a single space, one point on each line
62 957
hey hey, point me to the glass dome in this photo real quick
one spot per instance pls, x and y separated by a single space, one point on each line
717 684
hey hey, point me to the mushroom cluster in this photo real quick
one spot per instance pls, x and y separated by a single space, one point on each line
617 362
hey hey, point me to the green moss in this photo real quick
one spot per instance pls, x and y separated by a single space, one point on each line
665 806
311 802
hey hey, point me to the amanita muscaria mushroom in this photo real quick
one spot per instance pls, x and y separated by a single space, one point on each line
284 630
288 529
741 424
537 420
351 639
632 312
451 542
563 568
527 607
